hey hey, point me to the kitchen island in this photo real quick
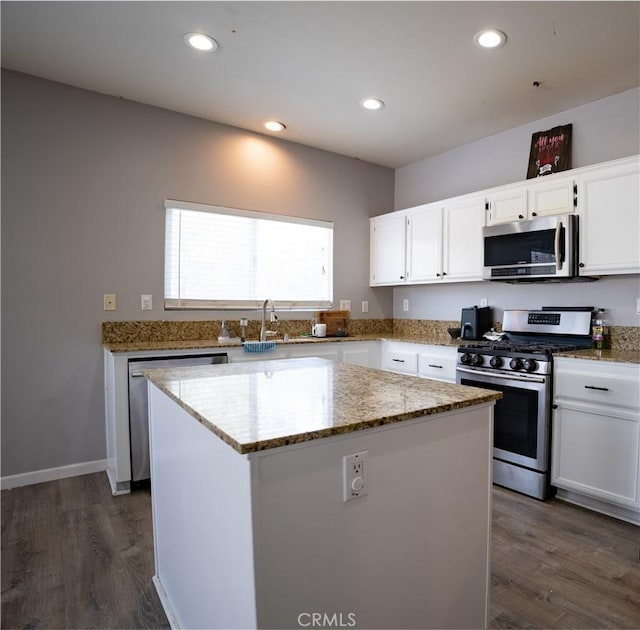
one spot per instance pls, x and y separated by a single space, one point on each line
256 527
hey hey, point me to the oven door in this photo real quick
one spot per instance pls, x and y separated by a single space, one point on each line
521 417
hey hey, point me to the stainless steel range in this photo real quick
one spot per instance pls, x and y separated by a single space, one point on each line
520 365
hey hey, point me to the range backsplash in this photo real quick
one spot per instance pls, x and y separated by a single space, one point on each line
622 337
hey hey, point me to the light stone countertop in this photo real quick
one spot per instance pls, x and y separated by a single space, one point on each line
260 405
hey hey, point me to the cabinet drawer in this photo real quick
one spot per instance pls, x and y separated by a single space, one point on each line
405 362
603 388
439 367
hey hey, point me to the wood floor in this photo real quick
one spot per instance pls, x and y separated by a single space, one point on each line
73 556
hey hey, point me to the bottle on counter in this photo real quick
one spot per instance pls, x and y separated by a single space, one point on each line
224 332
600 337
243 329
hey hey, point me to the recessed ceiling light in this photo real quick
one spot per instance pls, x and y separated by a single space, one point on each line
202 42
489 38
274 125
372 103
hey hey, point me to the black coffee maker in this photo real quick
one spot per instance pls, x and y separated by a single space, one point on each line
475 321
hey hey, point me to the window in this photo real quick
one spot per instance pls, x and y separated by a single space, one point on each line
223 258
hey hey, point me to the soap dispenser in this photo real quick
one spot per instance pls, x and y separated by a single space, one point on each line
224 332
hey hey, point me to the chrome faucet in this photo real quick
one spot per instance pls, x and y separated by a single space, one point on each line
274 318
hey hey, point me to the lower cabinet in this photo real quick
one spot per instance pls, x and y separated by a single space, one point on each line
364 353
399 357
596 436
438 363
427 361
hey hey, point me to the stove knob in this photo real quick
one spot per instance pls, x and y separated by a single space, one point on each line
515 364
465 358
477 360
496 362
530 365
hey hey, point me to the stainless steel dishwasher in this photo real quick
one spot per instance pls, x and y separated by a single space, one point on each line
139 407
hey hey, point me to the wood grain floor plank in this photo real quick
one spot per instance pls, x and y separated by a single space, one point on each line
73 556
555 565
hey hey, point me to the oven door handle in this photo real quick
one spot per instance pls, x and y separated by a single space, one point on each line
511 376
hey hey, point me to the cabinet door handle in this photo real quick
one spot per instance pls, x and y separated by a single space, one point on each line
600 389
434 365
520 216
534 214
398 360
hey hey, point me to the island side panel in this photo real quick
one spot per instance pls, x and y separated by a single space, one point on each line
201 502
413 553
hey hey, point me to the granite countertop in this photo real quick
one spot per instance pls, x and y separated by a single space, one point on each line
614 355
260 405
141 346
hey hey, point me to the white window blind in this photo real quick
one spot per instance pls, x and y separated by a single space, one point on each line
224 258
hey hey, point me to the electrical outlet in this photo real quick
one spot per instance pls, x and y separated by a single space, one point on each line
638 306
109 301
484 302
405 305
146 302
345 305
365 306
354 475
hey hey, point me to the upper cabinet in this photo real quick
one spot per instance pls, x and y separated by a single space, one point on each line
462 245
442 241
554 194
387 262
609 211
439 242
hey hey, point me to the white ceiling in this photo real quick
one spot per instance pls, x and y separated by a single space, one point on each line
308 64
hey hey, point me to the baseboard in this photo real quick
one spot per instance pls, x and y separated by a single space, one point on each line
51 474
590 503
166 605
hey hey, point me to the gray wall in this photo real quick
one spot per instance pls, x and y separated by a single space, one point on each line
603 130
84 178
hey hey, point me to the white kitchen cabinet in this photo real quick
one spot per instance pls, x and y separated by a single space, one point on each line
462 239
364 353
506 205
388 249
400 358
425 360
438 363
442 243
424 243
596 436
550 195
609 211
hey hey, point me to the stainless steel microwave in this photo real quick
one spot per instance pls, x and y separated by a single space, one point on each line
543 248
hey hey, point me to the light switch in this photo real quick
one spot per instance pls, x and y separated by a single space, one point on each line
345 305
109 301
146 302
365 306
